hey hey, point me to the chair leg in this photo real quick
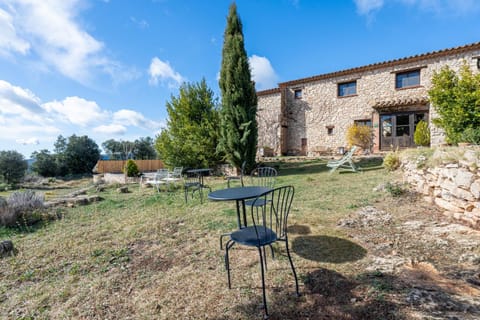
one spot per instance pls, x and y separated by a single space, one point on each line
229 244
293 268
221 238
263 283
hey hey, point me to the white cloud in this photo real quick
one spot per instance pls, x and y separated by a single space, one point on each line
111 129
77 111
440 7
262 72
49 30
19 102
365 7
162 71
9 40
33 141
134 118
142 24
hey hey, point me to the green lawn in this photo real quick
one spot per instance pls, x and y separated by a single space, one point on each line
144 255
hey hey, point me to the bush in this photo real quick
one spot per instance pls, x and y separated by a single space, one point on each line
131 169
471 135
361 136
391 162
21 208
421 136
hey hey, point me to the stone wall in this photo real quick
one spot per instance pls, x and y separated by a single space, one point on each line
453 185
269 121
320 108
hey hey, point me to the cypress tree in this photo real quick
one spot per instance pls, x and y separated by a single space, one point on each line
238 132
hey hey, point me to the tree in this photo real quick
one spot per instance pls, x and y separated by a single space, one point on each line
456 98
238 130
114 149
81 154
59 155
191 135
143 149
45 163
12 166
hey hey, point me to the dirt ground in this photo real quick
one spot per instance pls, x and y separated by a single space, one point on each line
428 265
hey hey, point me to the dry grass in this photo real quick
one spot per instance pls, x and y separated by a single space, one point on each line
143 255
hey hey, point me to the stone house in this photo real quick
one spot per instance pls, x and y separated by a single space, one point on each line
311 115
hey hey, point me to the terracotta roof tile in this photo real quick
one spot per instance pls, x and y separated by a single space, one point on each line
419 57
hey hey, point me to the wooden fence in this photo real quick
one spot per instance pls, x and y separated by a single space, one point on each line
116 166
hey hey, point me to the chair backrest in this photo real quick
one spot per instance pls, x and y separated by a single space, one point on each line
191 178
161 174
177 172
274 215
263 177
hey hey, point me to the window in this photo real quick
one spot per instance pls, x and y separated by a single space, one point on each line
330 130
407 79
363 122
297 93
347 89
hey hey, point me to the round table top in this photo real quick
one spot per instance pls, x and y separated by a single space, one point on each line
199 170
239 193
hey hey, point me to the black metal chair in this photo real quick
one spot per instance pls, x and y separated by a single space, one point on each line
191 183
269 226
261 177
240 177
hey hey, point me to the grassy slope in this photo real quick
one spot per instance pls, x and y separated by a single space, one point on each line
144 255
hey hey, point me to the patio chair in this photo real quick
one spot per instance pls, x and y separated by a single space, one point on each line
175 175
159 179
346 162
268 227
261 177
240 177
192 183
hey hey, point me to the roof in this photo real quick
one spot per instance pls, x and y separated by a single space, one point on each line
398 102
267 92
390 63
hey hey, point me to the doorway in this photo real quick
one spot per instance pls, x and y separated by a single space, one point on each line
397 129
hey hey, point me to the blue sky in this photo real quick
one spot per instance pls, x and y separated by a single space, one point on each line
106 68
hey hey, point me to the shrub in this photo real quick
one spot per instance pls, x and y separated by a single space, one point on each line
455 98
421 137
21 208
471 135
391 162
131 169
361 136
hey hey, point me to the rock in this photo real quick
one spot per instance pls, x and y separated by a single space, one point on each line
6 248
464 178
123 189
442 203
387 264
475 189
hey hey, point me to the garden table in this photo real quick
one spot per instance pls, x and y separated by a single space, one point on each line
239 194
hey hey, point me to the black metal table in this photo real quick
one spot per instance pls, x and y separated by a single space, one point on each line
239 194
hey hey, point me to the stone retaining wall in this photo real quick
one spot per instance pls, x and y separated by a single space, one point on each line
453 185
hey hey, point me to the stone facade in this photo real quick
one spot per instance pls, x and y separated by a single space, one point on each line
317 118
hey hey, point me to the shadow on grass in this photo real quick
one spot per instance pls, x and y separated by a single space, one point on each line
328 295
327 249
